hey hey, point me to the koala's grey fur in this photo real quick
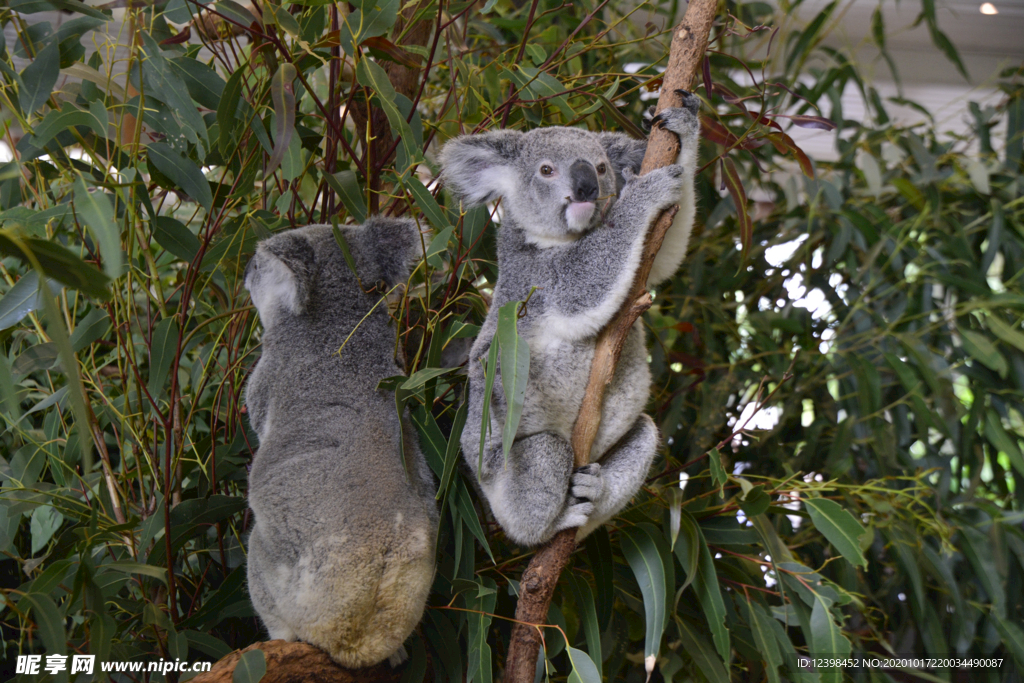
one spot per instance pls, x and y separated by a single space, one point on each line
584 266
342 552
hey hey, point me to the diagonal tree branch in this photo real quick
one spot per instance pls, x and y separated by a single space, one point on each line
537 585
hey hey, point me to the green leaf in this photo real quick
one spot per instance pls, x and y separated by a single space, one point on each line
59 264
421 377
345 184
981 349
451 455
203 83
163 82
837 525
127 567
11 406
705 582
1003 441
227 108
827 639
283 96
645 561
1013 637
689 549
48 621
251 667
482 602
90 329
718 474
426 203
20 300
756 501
490 370
173 236
346 252
586 610
515 371
183 172
806 41
163 351
69 115
97 213
372 76
39 77
764 640
583 668
1011 335
696 646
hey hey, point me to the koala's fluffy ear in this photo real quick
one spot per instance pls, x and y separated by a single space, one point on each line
624 152
281 275
480 168
393 243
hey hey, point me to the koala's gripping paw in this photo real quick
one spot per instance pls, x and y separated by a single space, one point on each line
660 188
683 121
575 514
587 484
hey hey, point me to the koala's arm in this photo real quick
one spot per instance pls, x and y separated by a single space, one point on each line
627 155
685 123
591 276
257 395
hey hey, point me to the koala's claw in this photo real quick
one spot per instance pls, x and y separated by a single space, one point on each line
690 101
682 121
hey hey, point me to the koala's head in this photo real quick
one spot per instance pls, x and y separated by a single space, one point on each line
555 183
303 271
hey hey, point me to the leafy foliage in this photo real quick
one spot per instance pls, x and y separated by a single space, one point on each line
880 513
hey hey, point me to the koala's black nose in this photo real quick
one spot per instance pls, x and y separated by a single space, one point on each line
584 181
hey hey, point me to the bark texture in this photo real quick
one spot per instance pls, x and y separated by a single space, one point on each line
689 41
298 663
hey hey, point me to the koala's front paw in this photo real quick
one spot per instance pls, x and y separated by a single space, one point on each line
660 188
683 121
587 484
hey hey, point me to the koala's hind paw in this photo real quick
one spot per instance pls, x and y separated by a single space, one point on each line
575 514
587 483
397 657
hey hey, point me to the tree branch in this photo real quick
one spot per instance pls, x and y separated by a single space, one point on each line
298 663
689 41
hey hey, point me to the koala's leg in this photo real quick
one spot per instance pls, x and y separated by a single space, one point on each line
528 493
684 122
261 594
621 471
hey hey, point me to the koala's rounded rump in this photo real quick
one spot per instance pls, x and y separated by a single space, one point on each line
341 554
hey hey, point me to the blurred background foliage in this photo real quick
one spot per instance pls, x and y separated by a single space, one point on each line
839 365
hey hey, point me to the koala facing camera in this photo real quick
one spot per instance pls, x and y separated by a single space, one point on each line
341 555
573 225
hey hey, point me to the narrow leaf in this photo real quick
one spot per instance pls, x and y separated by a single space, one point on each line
515 371
645 561
97 213
251 667
837 525
283 96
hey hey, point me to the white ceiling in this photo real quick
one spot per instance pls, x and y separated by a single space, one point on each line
987 44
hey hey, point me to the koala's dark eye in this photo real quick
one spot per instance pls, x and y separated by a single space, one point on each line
546 171
601 168
381 286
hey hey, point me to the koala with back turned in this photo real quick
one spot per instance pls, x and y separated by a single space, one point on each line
574 220
341 555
